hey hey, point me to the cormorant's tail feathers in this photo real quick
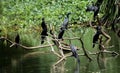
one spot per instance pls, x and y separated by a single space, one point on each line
42 41
93 45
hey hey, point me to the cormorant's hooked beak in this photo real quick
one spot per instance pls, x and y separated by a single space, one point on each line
43 19
69 13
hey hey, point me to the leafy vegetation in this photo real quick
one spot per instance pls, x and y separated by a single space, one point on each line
28 13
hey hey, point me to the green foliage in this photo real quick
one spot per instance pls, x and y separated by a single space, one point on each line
30 12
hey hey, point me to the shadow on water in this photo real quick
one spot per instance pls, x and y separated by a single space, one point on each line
41 62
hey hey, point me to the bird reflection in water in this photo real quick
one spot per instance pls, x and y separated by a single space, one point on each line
60 68
77 68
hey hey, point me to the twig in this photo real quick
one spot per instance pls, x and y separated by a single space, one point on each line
105 51
71 38
63 58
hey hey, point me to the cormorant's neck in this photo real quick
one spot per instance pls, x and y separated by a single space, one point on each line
68 15
43 20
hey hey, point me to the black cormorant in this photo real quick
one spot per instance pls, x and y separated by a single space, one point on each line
64 26
17 39
66 21
96 36
43 25
44 31
93 8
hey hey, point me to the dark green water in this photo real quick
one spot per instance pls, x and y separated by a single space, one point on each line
38 62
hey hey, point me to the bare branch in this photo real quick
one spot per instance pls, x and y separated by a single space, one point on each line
53 48
61 59
105 51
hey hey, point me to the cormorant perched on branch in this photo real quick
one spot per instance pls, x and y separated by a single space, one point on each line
44 31
74 52
17 39
66 21
64 26
93 8
96 36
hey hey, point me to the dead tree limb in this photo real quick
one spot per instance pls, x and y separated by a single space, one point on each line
25 47
57 43
53 48
105 51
